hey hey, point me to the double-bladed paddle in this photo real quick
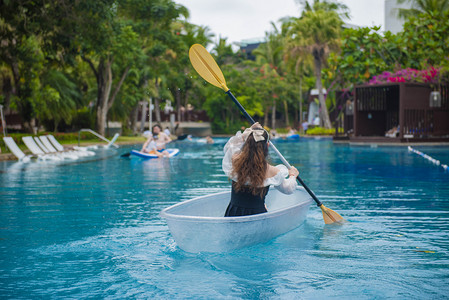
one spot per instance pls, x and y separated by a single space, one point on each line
208 69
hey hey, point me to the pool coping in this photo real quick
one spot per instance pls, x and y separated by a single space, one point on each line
390 144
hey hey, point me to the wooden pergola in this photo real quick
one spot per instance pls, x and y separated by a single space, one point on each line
405 106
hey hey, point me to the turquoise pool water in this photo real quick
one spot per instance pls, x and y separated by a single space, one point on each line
92 230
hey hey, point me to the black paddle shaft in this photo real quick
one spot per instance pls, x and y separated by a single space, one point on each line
251 120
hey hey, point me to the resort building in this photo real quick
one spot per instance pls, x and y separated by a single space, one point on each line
247 46
398 112
393 22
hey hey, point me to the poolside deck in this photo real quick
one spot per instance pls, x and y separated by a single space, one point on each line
386 141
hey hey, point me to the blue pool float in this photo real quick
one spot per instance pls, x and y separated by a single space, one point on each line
172 151
293 137
285 139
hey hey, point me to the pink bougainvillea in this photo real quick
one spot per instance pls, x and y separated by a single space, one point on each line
430 75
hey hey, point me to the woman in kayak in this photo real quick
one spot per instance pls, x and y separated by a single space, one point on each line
245 163
156 142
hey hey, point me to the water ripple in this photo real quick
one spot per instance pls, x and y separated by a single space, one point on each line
92 230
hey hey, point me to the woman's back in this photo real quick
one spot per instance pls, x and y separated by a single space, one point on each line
245 162
244 202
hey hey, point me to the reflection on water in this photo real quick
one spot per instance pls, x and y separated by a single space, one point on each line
93 229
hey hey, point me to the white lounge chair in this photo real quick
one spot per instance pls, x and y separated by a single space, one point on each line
48 148
12 146
39 143
34 148
59 147
86 148
46 144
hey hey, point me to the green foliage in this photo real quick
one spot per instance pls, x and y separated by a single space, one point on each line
59 59
426 38
365 52
83 118
316 33
323 131
436 7
225 116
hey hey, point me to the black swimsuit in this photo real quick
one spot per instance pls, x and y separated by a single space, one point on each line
244 203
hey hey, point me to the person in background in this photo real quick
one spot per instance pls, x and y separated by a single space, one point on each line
290 131
209 140
245 163
175 131
147 133
274 133
156 143
305 126
167 131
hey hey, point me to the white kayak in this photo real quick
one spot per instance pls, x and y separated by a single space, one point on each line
198 225
172 152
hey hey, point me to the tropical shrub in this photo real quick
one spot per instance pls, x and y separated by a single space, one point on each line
431 75
323 131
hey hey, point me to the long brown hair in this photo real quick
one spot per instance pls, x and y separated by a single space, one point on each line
251 164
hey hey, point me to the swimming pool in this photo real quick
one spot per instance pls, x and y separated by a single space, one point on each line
92 229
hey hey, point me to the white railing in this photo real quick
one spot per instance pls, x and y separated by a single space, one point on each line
94 133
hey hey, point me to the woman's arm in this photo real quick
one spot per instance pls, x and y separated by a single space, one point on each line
280 182
288 186
167 138
232 148
146 143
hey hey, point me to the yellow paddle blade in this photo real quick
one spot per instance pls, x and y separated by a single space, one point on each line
206 66
330 216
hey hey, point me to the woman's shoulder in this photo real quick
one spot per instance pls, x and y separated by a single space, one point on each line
272 171
276 174
163 135
277 169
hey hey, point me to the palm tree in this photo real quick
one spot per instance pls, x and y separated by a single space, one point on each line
63 97
269 56
422 6
223 52
316 33
179 64
298 63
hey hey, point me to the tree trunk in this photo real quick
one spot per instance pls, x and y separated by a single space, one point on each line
13 88
287 123
16 77
300 102
178 104
186 101
118 87
157 108
56 124
324 114
7 91
265 118
30 126
273 115
134 117
104 86
104 82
